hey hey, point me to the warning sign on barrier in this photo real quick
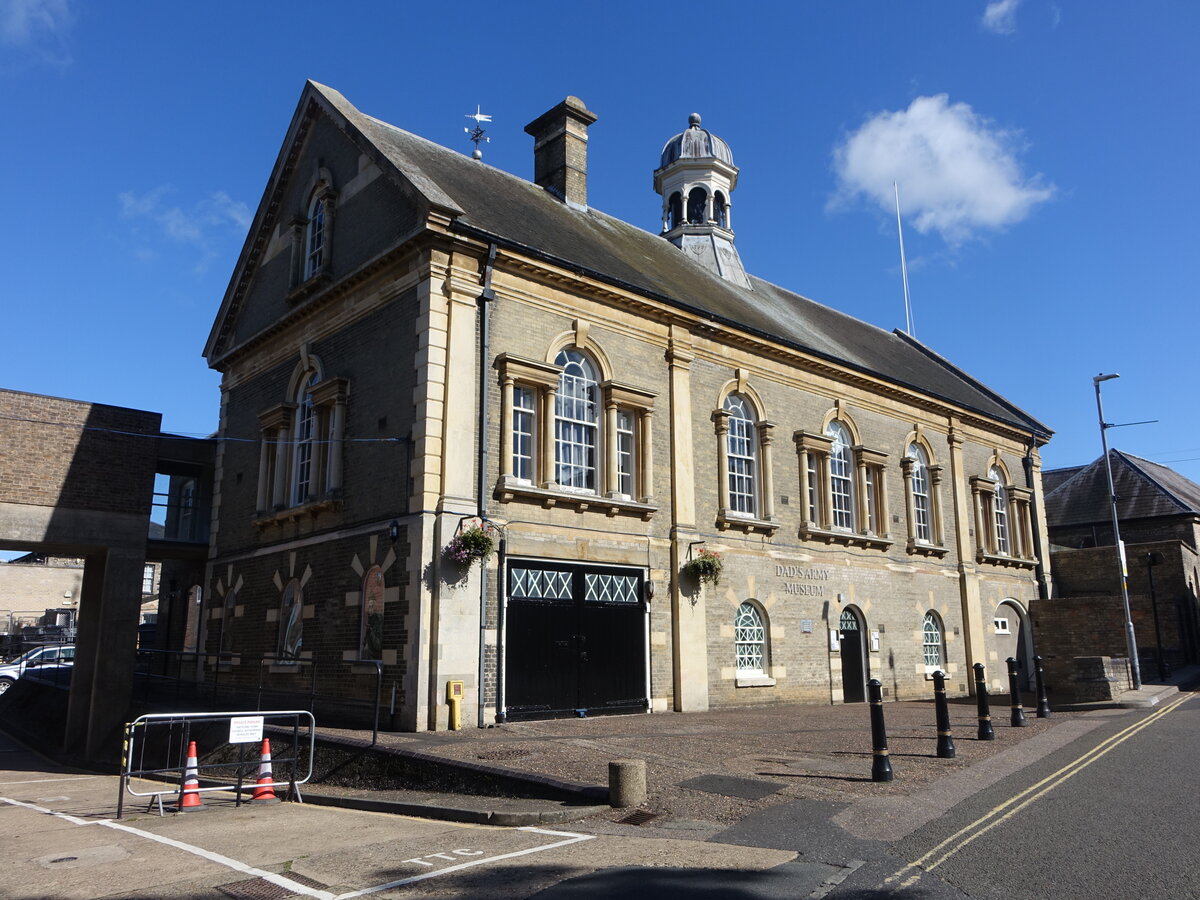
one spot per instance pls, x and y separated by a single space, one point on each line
245 729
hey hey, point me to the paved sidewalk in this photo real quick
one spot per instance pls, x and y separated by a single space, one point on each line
708 770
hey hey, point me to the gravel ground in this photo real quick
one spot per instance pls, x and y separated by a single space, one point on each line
810 752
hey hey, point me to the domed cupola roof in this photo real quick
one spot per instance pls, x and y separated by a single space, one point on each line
696 143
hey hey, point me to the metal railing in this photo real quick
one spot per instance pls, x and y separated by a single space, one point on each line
155 750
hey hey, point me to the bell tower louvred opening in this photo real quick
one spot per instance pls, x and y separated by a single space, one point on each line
695 177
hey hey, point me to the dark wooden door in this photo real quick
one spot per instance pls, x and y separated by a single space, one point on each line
575 640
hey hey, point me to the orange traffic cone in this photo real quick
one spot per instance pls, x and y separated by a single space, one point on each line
189 797
263 791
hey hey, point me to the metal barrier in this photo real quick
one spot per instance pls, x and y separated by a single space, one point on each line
165 738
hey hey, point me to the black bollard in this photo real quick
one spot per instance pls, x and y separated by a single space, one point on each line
1014 691
945 740
881 766
981 697
1043 710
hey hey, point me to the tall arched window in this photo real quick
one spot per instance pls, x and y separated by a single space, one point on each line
1000 510
291 621
230 608
841 476
919 487
933 642
304 442
697 201
675 210
370 641
720 210
314 238
749 640
742 456
576 423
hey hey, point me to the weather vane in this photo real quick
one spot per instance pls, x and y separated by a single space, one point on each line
477 135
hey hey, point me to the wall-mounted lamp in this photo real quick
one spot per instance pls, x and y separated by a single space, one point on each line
649 591
393 531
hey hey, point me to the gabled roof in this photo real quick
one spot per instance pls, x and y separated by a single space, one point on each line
1144 490
494 205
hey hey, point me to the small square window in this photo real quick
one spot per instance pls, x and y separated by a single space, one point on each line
1002 626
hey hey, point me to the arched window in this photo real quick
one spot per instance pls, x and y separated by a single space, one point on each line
227 614
697 201
370 642
304 439
675 210
1000 510
933 642
841 476
922 524
314 239
576 423
742 456
749 640
291 621
720 210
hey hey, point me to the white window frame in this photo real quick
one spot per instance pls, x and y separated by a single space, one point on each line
524 433
577 424
315 243
1000 512
749 640
938 631
922 507
842 488
626 438
306 443
741 468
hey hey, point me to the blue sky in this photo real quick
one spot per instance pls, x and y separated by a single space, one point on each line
1045 154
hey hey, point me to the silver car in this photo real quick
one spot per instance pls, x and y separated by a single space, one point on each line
42 659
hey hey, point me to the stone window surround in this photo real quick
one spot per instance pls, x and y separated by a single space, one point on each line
542 379
1020 524
276 457
819 448
302 283
727 518
936 545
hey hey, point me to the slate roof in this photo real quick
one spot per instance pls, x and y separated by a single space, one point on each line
495 205
1144 490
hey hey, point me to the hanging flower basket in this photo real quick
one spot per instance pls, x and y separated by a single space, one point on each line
705 567
469 545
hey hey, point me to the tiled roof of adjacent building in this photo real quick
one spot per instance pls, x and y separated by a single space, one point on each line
495 205
1144 490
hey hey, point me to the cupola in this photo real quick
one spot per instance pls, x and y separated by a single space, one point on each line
695 177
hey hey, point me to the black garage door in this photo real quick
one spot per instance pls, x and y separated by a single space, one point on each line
575 640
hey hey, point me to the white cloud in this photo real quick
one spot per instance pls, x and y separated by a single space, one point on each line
1000 16
212 219
958 174
39 28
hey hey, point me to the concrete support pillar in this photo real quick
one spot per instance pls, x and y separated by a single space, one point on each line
102 677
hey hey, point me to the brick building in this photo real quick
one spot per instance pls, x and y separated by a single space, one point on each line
1159 514
416 346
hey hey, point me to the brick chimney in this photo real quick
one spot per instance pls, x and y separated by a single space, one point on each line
560 150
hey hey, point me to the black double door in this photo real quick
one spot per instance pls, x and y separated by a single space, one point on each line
575 640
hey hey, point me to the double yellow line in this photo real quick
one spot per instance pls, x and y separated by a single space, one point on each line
1015 804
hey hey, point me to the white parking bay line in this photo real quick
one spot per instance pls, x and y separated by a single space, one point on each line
570 838
294 886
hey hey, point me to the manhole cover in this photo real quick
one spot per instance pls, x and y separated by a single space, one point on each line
497 755
261 889
638 817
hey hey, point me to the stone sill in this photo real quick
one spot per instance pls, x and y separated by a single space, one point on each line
508 491
727 521
295 513
916 548
754 681
1012 562
306 289
849 538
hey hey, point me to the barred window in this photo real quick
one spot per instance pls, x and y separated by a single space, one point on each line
750 640
932 646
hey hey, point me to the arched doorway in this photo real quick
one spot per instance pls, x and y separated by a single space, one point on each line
1014 637
852 643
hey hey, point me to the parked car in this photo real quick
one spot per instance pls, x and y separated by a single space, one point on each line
46 658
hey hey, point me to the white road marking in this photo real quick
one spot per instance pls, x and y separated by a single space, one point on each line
571 838
294 886
43 780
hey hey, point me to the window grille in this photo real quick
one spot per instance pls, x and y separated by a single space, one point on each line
848 621
749 639
539 584
932 641
610 588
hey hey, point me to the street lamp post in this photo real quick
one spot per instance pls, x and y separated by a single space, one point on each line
1130 639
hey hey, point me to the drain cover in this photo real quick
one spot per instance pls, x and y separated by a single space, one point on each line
261 889
638 817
